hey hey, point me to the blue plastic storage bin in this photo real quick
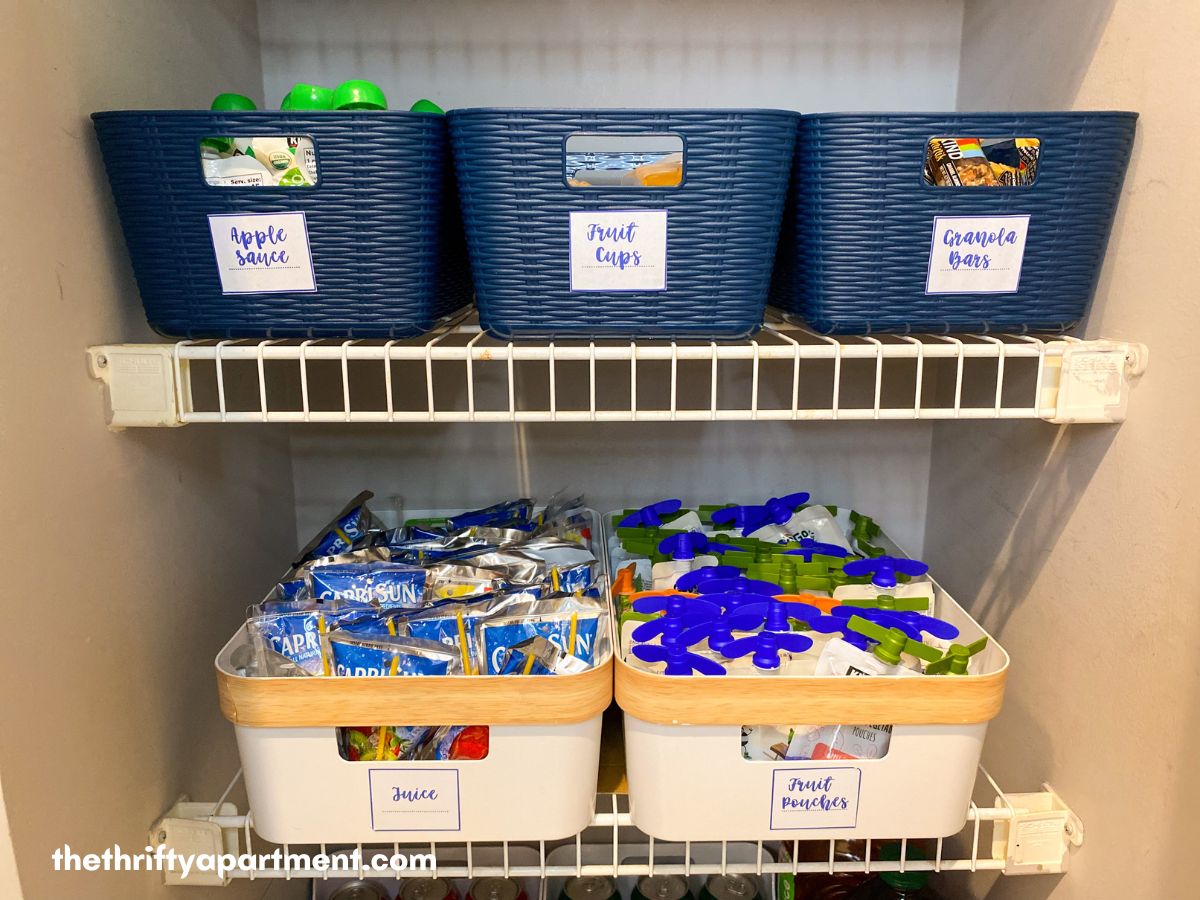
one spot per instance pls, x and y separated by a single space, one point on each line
855 252
388 258
722 221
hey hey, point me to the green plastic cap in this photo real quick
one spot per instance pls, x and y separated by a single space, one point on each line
426 106
904 881
358 94
232 103
308 96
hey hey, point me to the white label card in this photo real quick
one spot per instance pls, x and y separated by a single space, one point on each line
976 254
619 250
262 253
815 798
415 800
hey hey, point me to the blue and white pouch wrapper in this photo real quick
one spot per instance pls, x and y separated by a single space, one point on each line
440 623
548 659
344 532
549 618
357 656
383 584
514 512
458 581
288 642
575 565
515 566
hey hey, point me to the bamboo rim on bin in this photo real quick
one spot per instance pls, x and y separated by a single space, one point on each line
452 700
769 700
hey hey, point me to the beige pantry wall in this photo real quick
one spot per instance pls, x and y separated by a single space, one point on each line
1077 544
130 555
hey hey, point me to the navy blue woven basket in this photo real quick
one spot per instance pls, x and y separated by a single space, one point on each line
855 250
388 254
722 221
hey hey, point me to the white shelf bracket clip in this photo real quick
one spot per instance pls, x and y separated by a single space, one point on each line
190 829
1039 836
1094 378
140 383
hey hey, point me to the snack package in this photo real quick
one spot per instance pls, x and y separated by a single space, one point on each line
958 162
365 656
570 623
293 636
456 742
511 513
518 567
343 533
398 742
839 742
441 623
537 656
568 563
457 581
382 584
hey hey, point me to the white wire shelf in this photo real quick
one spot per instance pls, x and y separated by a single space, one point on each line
459 374
1031 834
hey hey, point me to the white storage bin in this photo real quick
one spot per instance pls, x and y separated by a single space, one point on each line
689 782
538 781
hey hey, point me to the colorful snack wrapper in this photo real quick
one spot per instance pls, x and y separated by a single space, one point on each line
554 619
366 656
382 584
958 162
399 742
456 742
547 659
510 512
344 532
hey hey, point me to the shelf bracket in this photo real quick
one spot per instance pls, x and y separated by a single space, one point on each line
1094 378
1038 836
189 829
140 383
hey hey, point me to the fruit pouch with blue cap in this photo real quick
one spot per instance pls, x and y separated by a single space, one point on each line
571 623
349 529
379 655
383 584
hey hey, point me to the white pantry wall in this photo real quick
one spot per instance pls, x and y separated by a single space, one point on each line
138 552
1075 545
816 55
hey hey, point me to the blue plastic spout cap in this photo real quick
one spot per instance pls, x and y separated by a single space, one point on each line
883 569
651 516
810 548
690 544
766 656
691 581
780 509
748 518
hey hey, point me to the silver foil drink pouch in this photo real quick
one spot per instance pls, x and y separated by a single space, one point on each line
349 527
359 656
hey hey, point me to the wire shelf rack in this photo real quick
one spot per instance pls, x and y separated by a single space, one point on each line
457 373
613 846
